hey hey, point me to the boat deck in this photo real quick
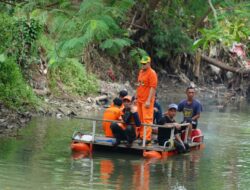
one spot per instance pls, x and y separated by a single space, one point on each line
101 141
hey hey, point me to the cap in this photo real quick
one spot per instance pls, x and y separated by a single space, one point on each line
145 59
123 93
190 87
117 102
172 106
128 98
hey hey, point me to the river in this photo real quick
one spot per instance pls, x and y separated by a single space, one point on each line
40 158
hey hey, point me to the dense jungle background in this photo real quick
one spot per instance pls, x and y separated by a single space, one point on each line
63 48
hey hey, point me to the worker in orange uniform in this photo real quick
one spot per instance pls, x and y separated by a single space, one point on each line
111 113
122 94
145 95
126 131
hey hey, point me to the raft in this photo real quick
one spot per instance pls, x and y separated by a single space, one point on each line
88 144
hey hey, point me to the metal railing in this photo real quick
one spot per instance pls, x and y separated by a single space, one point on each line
167 125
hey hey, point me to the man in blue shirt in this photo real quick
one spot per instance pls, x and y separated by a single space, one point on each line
191 109
157 110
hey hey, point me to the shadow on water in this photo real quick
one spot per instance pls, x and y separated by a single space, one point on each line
40 158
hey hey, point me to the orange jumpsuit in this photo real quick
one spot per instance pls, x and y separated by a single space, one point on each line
121 108
147 79
111 113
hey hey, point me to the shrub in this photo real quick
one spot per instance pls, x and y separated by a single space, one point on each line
6 32
71 77
14 91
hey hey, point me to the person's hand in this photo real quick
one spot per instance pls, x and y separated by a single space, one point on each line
133 109
147 104
177 126
155 109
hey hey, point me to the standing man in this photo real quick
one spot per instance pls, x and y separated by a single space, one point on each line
191 109
145 95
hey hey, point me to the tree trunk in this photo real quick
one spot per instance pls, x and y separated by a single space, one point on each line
224 66
196 68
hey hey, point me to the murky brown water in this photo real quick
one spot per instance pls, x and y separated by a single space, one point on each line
40 158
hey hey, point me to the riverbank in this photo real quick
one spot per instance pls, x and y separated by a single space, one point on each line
11 121
169 90
59 107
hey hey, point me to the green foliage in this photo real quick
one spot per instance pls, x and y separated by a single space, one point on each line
96 22
232 26
136 54
14 92
225 33
170 42
70 76
26 33
168 32
49 45
18 38
114 46
6 32
2 58
28 30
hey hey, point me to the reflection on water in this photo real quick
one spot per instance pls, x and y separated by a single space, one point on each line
138 173
40 158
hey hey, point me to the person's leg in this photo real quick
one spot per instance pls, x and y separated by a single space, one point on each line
187 147
130 134
178 147
139 111
194 126
190 128
178 139
118 132
148 114
188 133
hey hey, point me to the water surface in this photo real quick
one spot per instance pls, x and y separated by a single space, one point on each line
40 158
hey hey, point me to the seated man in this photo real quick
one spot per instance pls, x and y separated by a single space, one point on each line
164 134
111 113
127 131
122 94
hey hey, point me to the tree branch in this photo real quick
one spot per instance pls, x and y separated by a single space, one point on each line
214 10
9 3
199 22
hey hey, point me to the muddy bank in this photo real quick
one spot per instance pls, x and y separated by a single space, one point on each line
11 121
63 107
